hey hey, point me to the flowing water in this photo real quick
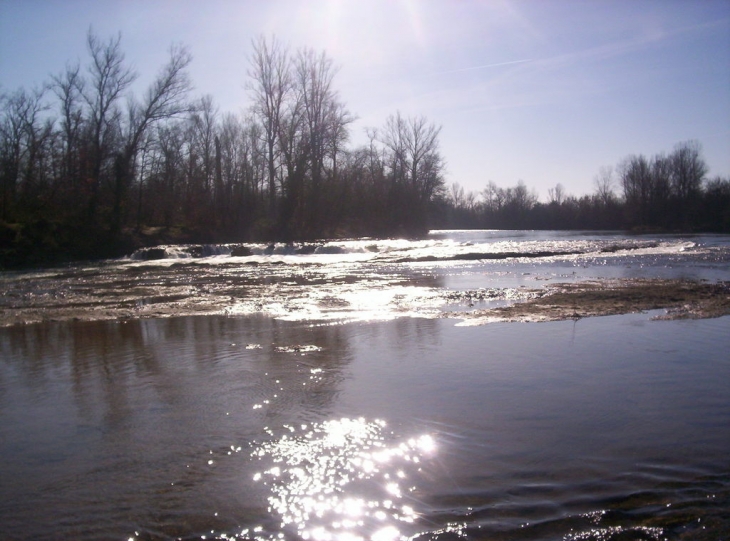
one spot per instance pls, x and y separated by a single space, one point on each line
323 396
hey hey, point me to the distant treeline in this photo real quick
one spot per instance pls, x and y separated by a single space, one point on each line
89 170
663 193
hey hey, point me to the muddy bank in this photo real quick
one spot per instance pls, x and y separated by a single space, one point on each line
681 299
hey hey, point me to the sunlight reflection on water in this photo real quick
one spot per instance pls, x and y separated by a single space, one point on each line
341 479
355 280
355 302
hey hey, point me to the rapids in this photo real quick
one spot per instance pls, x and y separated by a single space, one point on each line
352 280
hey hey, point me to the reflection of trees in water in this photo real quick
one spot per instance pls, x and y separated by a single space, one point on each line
144 401
38 346
403 335
130 372
421 332
136 372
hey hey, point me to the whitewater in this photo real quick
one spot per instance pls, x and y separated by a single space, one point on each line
449 273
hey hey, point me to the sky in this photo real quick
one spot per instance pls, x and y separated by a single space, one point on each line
542 91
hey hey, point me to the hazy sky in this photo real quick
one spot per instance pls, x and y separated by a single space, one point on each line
543 91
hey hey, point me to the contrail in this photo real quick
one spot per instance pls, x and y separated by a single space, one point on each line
485 66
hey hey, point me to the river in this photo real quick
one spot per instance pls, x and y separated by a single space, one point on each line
364 389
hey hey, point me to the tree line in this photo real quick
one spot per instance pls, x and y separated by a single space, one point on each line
88 169
664 193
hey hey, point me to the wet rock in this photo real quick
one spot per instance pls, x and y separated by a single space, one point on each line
241 251
195 251
306 249
149 254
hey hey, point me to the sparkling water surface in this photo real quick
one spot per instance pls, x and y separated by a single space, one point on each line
352 280
366 418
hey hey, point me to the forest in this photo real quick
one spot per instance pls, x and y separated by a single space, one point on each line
668 192
88 170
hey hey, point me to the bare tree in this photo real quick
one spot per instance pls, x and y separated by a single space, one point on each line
68 87
603 181
493 197
313 79
271 85
520 200
166 179
426 161
456 195
556 194
661 177
165 98
716 208
338 117
470 200
688 170
203 125
242 171
325 121
635 174
11 147
416 167
415 157
394 136
109 78
24 134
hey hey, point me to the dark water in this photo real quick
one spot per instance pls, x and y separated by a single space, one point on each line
613 428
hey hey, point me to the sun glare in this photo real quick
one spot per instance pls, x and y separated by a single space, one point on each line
342 479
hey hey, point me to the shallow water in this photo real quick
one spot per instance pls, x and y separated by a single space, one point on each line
355 280
319 398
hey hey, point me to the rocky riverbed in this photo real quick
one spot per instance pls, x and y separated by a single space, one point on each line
682 299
